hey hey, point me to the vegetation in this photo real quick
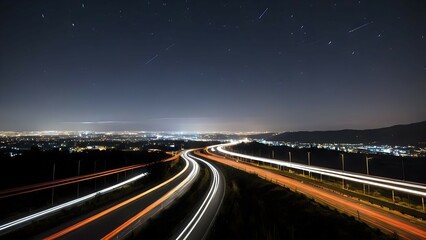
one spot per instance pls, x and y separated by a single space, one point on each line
36 166
409 134
158 172
379 165
175 215
257 209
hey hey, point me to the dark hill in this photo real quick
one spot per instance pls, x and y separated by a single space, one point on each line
410 134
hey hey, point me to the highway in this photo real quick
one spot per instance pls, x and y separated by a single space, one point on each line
16 224
198 225
388 221
392 184
61 182
100 224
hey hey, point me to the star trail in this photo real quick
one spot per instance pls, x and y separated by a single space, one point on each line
211 65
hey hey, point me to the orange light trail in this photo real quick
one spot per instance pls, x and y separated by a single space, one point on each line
151 207
317 193
61 182
111 209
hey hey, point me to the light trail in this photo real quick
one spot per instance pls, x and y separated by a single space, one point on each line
183 185
23 188
111 209
368 178
61 182
392 184
67 204
204 206
394 223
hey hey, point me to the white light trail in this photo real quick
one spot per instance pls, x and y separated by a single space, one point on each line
193 174
164 199
211 194
392 184
68 204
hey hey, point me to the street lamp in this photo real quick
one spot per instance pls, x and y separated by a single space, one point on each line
78 174
289 158
343 169
403 169
368 171
53 179
309 162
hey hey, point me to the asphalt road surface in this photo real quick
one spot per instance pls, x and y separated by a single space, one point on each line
203 215
388 221
100 223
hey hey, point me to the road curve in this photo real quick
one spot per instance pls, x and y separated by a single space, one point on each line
388 183
389 222
65 181
100 223
199 223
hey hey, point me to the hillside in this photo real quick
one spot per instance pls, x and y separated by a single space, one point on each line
409 134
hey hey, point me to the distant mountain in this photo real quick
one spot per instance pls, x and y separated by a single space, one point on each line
410 134
261 136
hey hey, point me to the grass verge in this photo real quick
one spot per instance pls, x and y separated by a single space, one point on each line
167 223
158 172
257 209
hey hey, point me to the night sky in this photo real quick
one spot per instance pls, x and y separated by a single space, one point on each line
211 65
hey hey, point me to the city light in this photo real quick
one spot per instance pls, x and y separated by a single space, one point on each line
393 184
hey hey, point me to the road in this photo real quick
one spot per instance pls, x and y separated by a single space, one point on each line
388 221
103 224
61 182
199 223
414 188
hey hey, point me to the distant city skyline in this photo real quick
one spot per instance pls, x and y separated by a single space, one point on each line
211 66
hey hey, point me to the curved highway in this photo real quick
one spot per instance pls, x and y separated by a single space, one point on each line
65 181
389 221
100 224
202 219
389 183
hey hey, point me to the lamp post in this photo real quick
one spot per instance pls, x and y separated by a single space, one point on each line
78 174
403 169
289 157
309 162
94 170
368 171
125 172
343 169
53 179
